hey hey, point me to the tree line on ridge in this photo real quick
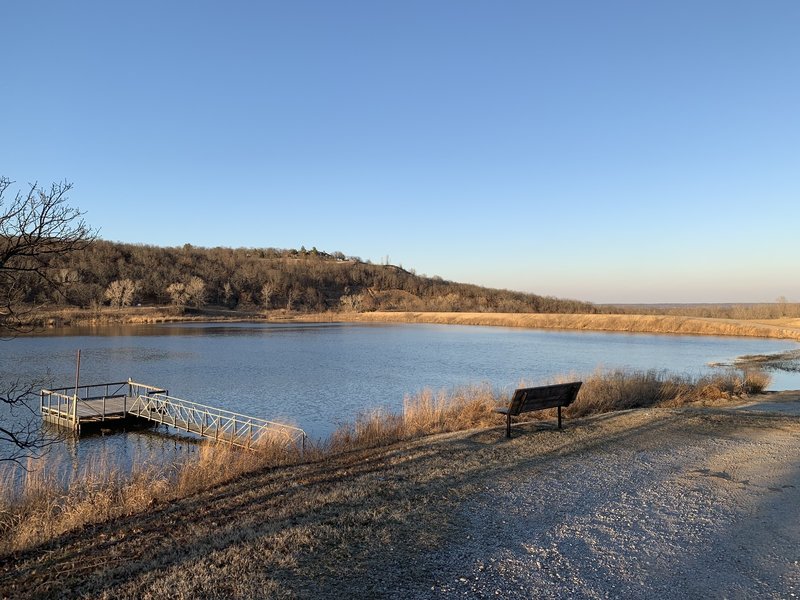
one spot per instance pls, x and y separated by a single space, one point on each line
120 274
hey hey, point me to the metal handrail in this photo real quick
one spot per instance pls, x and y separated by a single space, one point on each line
133 388
72 402
71 389
214 409
209 421
62 399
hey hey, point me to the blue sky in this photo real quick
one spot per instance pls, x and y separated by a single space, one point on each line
606 151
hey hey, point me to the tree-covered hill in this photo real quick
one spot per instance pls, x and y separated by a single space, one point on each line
267 278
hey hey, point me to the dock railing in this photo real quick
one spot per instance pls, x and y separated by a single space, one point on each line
61 404
208 421
72 406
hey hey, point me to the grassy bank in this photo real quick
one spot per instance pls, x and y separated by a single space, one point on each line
783 328
780 328
46 505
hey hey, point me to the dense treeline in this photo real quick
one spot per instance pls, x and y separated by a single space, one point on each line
781 308
123 274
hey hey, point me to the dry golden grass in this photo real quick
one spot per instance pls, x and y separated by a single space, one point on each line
45 505
425 414
47 500
218 463
668 324
607 391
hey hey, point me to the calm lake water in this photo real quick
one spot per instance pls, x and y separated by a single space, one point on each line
318 375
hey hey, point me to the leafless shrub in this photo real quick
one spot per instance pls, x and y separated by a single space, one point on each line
121 292
190 293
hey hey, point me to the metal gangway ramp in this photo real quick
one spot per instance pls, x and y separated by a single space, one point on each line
109 403
218 424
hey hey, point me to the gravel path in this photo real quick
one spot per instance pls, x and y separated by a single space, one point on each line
702 516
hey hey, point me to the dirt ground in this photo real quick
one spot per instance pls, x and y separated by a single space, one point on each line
669 503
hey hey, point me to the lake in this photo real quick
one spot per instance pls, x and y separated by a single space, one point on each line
318 375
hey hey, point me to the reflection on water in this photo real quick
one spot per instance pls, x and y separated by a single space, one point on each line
316 375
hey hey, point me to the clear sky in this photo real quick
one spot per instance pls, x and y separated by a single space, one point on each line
607 151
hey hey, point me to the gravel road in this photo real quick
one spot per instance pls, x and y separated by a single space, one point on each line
715 512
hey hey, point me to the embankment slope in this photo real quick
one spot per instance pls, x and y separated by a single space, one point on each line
668 503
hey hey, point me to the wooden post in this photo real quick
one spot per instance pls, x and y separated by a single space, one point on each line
77 382
508 425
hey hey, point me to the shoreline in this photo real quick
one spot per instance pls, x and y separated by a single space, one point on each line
54 321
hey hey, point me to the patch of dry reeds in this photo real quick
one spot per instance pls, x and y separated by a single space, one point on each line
44 502
426 413
607 391
218 463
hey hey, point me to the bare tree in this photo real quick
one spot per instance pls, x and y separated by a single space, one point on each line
227 294
267 293
177 292
781 301
121 292
21 433
196 291
351 302
36 227
192 292
291 295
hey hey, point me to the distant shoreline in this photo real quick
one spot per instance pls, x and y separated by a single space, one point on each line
787 328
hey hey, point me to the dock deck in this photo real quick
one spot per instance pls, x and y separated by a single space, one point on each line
112 403
91 410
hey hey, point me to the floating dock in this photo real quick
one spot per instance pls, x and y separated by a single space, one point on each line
107 405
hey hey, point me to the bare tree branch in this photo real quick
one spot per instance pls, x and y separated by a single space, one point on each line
36 227
21 431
